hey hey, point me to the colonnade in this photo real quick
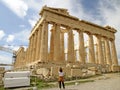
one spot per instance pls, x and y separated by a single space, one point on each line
43 49
38 47
39 50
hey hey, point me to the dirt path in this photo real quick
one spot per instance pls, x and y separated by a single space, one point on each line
109 82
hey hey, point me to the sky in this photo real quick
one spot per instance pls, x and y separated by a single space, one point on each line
18 17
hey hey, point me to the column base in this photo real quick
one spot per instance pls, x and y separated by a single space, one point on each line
115 68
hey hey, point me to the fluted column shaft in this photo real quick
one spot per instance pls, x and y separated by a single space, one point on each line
81 47
71 56
104 54
26 57
44 43
51 56
38 43
57 43
107 51
62 47
96 54
114 53
31 47
35 45
91 49
100 51
75 53
29 51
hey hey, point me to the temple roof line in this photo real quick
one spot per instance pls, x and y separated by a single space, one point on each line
58 11
65 13
109 28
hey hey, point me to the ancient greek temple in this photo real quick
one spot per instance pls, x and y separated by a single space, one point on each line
52 43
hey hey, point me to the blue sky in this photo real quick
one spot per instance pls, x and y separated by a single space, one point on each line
17 18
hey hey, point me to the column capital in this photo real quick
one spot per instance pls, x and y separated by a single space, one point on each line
44 21
80 30
70 28
89 33
111 39
98 36
56 24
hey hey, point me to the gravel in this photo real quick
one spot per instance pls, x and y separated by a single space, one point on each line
105 82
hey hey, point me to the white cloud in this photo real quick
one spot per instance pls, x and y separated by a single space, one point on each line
5 59
12 47
74 7
19 7
2 34
10 38
32 21
33 4
22 36
37 4
58 3
19 39
109 11
22 26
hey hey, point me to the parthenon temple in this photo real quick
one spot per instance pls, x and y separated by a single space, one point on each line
61 40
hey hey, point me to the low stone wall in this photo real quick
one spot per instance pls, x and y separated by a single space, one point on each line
45 72
2 70
50 70
115 68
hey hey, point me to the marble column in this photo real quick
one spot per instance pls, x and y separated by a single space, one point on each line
37 44
39 41
71 56
91 49
44 43
76 54
30 53
26 56
81 47
114 53
62 47
33 43
66 56
104 54
51 55
107 52
96 54
57 49
100 50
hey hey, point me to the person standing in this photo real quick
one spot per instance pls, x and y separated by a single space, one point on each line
61 79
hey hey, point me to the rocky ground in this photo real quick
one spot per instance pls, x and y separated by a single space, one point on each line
104 82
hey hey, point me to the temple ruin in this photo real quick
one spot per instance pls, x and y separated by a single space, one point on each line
52 45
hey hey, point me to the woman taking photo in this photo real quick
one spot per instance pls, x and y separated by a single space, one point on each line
61 78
